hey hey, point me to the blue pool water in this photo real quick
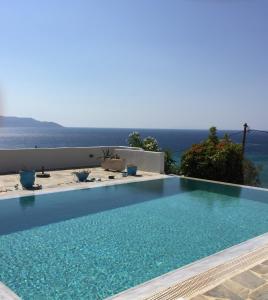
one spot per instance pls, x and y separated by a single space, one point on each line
90 244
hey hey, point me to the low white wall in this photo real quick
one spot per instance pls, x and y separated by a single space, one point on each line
144 160
13 160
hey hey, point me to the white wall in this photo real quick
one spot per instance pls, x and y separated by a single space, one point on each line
145 160
11 161
50 158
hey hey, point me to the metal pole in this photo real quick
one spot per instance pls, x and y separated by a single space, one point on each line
244 138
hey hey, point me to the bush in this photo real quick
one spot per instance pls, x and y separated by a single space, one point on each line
150 144
135 140
251 173
220 160
170 164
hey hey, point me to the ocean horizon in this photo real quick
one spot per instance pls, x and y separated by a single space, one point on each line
176 140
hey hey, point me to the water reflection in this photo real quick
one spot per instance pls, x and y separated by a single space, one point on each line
51 208
27 212
187 185
26 202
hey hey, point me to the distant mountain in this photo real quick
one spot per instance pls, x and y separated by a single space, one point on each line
26 122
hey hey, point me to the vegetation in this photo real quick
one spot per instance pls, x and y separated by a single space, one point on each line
151 144
135 140
251 173
148 144
214 159
171 167
108 154
219 159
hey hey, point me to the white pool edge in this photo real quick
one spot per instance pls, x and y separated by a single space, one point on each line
6 293
222 183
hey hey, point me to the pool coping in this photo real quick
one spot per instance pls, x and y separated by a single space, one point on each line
168 280
221 182
6 293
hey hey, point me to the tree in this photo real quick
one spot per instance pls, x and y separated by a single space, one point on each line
148 144
213 138
135 140
151 144
220 160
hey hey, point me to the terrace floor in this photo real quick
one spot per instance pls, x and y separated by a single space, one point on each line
243 278
251 284
10 184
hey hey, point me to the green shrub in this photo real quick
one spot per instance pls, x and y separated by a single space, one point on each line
150 144
135 140
220 160
251 173
171 166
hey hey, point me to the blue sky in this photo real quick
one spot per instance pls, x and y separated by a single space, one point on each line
138 63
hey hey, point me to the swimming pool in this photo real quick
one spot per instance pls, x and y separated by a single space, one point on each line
93 243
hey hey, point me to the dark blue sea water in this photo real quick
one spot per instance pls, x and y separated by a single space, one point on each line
177 140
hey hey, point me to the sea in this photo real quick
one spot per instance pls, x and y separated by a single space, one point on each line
176 140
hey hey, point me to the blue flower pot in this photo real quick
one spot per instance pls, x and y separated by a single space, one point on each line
82 176
132 170
27 179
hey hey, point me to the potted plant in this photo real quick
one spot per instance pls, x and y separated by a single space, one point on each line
43 174
82 175
132 169
112 161
27 178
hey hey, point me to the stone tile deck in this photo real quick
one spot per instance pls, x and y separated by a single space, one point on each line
10 185
242 278
251 284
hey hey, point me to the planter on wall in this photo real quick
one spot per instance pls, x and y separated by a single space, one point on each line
113 164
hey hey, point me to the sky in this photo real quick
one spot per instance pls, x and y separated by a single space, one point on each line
136 63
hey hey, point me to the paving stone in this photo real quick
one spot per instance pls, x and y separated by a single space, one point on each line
221 291
260 269
200 297
236 288
260 294
265 262
265 277
249 280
